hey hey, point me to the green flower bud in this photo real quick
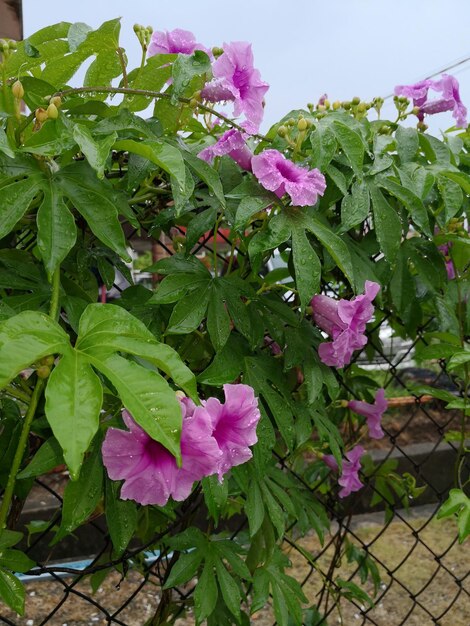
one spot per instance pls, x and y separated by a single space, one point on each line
56 101
415 110
18 90
327 104
13 45
355 100
362 107
282 131
137 28
336 105
302 124
52 112
290 122
43 371
321 107
217 52
193 103
47 360
346 105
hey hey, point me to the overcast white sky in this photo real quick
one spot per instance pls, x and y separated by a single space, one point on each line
303 48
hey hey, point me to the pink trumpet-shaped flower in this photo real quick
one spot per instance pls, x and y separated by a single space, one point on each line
372 412
345 321
236 80
174 42
278 174
214 438
349 479
149 470
233 144
234 425
448 86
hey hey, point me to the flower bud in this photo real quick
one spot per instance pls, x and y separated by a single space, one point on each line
290 122
415 110
12 44
282 131
336 105
137 28
48 360
346 105
355 100
41 115
362 107
18 90
302 124
321 107
56 101
193 103
52 112
422 126
327 103
217 52
43 371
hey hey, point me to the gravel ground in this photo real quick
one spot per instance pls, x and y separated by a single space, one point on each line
392 604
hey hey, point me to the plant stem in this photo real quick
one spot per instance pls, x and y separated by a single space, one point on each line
153 94
33 403
122 61
19 395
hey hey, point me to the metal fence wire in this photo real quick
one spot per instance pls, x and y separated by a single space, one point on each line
410 563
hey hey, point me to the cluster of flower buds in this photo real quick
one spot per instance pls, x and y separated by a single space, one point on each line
50 113
7 46
144 34
301 124
356 106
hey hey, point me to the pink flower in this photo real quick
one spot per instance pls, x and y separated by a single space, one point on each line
345 321
149 471
214 438
448 86
278 174
236 80
349 479
372 412
233 144
234 425
174 42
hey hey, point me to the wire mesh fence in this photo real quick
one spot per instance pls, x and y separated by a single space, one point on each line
384 540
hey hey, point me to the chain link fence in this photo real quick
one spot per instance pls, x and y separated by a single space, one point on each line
384 539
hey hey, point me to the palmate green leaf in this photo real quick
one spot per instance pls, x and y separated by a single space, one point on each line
49 41
323 146
229 588
335 245
57 231
94 200
189 312
147 396
411 202
82 496
12 591
96 151
174 286
152 77
74 396
407 143
388 227
161 153
26 338
277 231
121 517
105 328
355 206
77 34
184 569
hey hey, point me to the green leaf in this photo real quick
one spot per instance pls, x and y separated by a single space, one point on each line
185 67
206 594
74 397
57 232
184 569
307 267
77 34
121 517
215 495
46 458
459 504
12 591
9 538
147 396
411 202
355 206
94 200
152 77
229 588
388 227
105 328
81 496
460 178
26 338
206 173
15 199
459 358
161 153
189 312
249 206
335 245
323 146
174 286
407 143
16 561
4 144
352 145
254 508
227 364
199 225
95 151
218 319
